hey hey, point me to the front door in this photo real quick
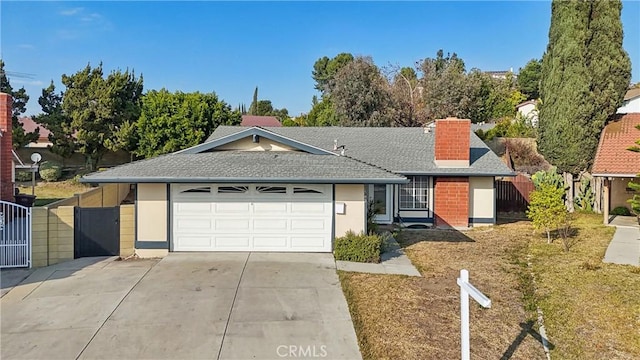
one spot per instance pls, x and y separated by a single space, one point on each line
380 197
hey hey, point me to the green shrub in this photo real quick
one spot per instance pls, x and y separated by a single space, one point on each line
620 210
50 171
23 176
360 247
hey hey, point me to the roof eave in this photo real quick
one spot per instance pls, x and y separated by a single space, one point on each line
615 175
156 180
465 174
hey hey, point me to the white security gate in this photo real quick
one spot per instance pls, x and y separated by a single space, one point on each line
15 235
252 217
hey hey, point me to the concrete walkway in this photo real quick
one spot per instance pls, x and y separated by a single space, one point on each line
393 262
624 248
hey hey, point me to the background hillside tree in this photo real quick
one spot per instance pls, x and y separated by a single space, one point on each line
503 98
20 99
585 73
54 119
529 79
325 69
99 107
174 121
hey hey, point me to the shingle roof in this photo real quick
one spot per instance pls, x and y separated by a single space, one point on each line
612 157
247 166
254 120
401 150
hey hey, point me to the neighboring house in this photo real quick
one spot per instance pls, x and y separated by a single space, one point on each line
529 110
30 126
502 74
484 126
631 102
298 188
264 121
615 164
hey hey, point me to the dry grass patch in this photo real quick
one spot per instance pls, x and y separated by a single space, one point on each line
48 192
399 317
592 309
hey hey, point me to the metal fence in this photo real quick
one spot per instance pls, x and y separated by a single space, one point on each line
15 235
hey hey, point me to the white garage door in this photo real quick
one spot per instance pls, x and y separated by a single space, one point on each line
252 217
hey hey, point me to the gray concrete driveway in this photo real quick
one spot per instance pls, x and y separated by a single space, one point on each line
185 306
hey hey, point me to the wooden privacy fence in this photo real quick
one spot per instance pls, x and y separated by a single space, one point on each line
513 195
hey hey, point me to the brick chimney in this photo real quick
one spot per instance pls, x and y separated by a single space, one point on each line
451 194
6 145
453 138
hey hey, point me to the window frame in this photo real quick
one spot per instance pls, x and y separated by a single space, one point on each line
425 186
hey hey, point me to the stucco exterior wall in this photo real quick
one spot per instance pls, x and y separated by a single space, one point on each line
481 200
247 144
354 218
619 194
152 212
630 106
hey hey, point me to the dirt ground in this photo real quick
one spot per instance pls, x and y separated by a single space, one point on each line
399 317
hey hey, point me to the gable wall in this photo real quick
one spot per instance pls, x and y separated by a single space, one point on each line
630 106
247 144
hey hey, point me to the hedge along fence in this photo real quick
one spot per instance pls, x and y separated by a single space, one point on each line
53 225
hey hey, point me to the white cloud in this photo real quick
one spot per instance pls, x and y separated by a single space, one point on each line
72 11
26 82
91 17
26 46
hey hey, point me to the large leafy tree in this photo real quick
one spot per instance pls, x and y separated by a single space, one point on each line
101 108
445 89
54 119
173 121
360 94
406 107
322 113
20 99
529 79
585 73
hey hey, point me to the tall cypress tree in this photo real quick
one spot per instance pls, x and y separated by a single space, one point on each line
585 73
253 108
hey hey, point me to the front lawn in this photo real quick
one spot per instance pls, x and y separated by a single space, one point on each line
398 317
591 309
48 192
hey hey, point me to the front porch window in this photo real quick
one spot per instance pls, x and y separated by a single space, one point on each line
415 194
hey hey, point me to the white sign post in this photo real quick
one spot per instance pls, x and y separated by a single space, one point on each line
466 290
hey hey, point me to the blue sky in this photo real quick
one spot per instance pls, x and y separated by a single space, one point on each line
231 47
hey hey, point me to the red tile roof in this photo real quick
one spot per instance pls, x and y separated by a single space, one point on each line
253 120
612 156
29 126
